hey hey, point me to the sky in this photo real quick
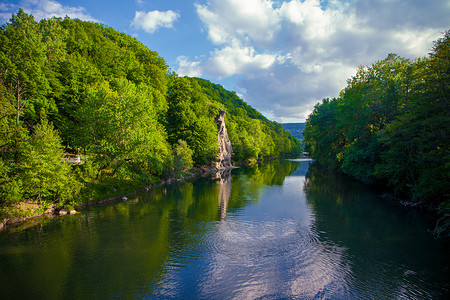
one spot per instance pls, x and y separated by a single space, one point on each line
281 57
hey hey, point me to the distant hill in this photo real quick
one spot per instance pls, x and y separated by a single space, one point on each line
296 129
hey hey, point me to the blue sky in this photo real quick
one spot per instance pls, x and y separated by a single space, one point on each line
282 57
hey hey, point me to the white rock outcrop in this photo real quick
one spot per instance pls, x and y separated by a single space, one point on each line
225 149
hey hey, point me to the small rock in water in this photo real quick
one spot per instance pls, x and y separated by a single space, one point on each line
63 212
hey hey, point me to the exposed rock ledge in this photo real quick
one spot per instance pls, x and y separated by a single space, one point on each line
222 163
225 149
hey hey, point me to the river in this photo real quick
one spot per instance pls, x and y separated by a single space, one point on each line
280 230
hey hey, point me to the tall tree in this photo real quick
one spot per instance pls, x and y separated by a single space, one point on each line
24 57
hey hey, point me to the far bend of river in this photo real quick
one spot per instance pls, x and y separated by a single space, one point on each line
283 230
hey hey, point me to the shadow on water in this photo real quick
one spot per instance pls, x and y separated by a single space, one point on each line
126 249
282 229
269 173
390 249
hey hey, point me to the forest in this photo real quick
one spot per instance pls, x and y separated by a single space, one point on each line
389 127
69 87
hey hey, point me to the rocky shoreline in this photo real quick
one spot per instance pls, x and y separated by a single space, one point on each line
51 211
222 163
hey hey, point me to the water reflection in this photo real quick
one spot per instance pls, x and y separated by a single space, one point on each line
268 249
224 184
389 249
125 249
267 231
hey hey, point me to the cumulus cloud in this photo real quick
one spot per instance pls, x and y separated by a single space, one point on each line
189 68
285 92
228 61
42 9
315 22
288 55
227 21
237 60
153 20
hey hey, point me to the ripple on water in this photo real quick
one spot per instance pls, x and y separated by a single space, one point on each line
256 259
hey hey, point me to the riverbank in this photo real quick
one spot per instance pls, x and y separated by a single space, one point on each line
27 211
348 242
197 172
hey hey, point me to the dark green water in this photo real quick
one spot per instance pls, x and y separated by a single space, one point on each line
283 230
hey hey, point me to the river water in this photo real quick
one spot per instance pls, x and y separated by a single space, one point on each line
281 230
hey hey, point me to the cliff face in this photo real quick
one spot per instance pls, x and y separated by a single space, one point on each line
225 150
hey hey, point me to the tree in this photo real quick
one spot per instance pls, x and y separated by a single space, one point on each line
108 94
44 175
182 157
324 138
11 189
393 117
120 127
252 135
191 118
24 58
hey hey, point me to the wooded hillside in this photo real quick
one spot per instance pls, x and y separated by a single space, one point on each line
391 127
296 129
68 86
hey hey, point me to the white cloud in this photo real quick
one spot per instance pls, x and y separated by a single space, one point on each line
291 54
188 68
236 60
6 11
311 20
43 9
228 61
287 92
416 42
153 20
236 19
49 8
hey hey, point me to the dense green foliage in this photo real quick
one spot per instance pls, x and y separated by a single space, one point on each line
390 126
74 87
